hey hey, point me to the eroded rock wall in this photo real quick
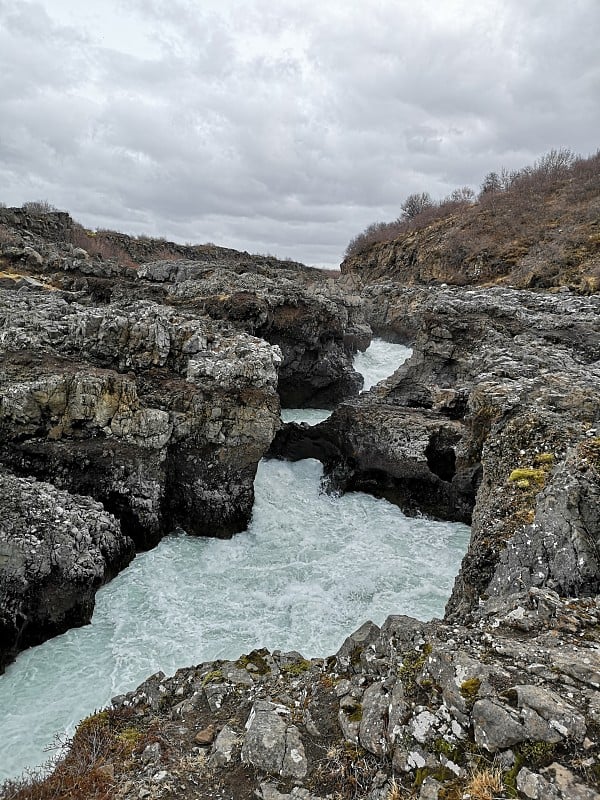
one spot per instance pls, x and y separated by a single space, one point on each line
159 415
317 326
56 550
518 373
497 413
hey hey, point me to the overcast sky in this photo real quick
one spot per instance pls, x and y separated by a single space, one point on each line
283 126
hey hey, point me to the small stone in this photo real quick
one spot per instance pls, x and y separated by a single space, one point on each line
310 724
224 746
533 786
151 754
422 726
106 771
505 759
416 760
205 736
160 777
430 789
342 688
215 692
494 728
294 762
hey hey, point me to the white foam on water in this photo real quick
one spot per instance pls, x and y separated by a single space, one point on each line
379 361
307 572
312 416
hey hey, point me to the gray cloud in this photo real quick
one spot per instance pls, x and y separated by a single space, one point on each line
282 127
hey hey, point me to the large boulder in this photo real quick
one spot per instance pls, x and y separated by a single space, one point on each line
161 416
56 550
317 326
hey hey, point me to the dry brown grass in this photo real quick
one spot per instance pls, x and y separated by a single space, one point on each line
485 783
103 743
98 243
395 792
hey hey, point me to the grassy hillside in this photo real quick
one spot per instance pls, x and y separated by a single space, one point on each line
538 227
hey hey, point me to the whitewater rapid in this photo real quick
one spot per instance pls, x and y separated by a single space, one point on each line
307 572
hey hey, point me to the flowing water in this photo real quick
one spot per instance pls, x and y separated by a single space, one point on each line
307 572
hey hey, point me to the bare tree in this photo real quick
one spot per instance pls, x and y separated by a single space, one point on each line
463 195
491 183
555 161
415 204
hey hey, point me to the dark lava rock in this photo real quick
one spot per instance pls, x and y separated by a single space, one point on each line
56 550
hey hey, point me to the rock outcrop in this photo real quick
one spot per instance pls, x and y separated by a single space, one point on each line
412 458
159 415
300 309
498 409
56 549
411 709
317 326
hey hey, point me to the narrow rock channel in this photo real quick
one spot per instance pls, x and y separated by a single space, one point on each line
301 578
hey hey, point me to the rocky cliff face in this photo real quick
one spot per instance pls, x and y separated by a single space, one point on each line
501 699
317 326
56 549
160 416
498 409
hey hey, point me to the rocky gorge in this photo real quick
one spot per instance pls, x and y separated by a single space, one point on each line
118 384
494 420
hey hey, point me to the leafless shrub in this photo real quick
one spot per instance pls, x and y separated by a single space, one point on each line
100 244
106 737
553 165
38 207
376 232
388 231
8 236
463 195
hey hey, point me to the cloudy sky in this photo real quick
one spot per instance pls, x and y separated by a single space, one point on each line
283 126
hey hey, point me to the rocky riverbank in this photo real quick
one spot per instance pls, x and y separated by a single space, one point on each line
495 418
497 414
505 706
56 549
160 417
